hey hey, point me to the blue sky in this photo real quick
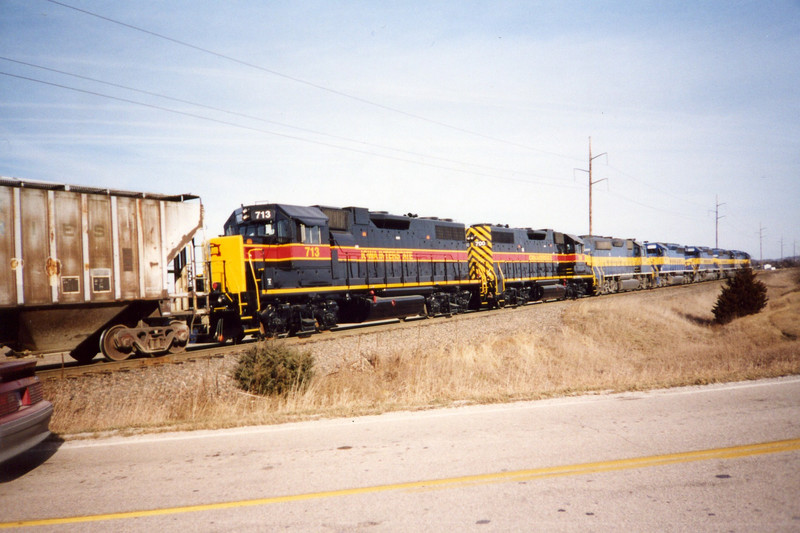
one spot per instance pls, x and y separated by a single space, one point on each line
476 111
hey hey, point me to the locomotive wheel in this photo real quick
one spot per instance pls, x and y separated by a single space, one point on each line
111 347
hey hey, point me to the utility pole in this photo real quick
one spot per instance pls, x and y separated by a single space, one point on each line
716 224
590 180
760 242
781 247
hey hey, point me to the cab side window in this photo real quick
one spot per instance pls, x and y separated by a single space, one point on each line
310 234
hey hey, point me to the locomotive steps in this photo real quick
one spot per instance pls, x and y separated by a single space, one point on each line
633 341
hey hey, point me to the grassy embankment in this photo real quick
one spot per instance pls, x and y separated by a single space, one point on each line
636 341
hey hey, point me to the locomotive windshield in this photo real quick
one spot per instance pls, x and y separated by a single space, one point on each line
277 232
273 232
252 230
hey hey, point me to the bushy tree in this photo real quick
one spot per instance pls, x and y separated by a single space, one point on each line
273 368
742 295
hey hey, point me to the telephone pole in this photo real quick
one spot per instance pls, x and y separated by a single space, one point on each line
716 223
760 242
590 180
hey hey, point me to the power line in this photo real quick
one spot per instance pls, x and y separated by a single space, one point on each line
308 83
268 121
648 206
269 132
301 139
716 221
683 200
335 92
330 145
657 189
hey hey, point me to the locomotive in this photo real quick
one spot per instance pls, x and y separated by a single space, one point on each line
284 269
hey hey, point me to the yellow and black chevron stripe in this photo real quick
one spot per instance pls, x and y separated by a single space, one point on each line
479 256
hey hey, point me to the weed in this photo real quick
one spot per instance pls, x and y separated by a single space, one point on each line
273 368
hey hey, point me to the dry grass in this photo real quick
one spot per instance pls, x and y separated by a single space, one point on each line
628 342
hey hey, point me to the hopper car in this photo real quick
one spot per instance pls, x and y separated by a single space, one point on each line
87 269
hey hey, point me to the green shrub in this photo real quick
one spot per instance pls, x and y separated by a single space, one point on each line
273 368
742 295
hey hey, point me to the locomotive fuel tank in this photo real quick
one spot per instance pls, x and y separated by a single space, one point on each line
555 291
378 308
629 284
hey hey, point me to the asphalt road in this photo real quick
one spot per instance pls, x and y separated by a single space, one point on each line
715 458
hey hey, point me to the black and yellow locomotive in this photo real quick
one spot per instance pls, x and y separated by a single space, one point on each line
284 269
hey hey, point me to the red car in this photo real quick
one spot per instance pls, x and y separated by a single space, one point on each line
24 413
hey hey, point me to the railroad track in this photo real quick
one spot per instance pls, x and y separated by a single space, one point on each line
67 368
72 369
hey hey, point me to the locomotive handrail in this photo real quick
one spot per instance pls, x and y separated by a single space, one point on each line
255 283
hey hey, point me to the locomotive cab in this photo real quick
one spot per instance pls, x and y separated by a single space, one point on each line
270 251
289 245
668 262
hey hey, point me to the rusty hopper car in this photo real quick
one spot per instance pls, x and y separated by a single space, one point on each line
87 269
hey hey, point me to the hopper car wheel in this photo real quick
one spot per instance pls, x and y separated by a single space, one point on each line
112 347
176 346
